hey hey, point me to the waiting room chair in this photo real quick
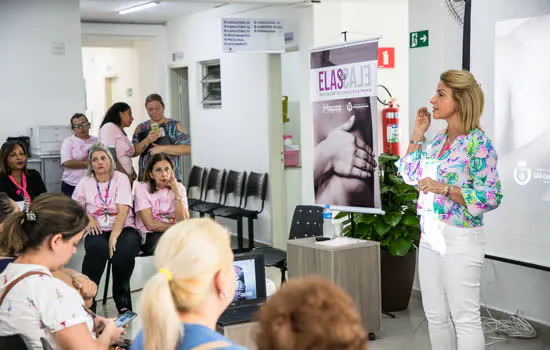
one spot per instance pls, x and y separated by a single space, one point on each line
213 189
195 182
234 186
256 187
307 221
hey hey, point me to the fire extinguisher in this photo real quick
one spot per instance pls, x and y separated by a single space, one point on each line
390 127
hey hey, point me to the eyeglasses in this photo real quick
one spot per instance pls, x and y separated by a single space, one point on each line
80 126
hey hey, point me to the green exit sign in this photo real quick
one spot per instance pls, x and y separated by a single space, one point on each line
419 39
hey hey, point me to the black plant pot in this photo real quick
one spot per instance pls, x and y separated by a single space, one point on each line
397 280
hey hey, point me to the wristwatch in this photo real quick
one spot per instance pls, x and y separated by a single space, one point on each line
413 142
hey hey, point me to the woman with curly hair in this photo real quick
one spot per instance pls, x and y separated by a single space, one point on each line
312 313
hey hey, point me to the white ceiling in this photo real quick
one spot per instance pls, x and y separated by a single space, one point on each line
106 10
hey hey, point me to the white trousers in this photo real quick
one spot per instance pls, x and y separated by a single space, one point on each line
450 263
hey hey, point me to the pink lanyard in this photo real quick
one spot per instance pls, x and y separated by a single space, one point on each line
22 188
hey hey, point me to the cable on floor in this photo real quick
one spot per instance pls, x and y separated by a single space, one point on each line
516 326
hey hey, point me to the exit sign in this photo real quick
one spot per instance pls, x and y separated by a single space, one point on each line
419 39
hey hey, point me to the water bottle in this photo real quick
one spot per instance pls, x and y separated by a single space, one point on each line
328 229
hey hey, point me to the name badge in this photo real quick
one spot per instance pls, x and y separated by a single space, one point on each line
430 168
104 222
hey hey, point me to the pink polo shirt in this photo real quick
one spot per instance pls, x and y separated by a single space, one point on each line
112 136
119 192
74 148
162 204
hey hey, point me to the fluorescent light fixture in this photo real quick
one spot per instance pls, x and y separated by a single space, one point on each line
136 8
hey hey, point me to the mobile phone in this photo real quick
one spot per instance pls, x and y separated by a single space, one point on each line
125 318
155 128
319 239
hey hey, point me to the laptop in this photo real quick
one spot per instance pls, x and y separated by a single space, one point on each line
250 291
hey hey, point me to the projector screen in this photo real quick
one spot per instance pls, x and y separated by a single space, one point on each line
510 57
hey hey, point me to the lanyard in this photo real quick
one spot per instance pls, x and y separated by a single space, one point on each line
104 201
22 189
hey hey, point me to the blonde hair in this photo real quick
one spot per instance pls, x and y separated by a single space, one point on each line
468 96
96 147
192 252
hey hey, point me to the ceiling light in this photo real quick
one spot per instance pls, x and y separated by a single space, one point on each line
138 7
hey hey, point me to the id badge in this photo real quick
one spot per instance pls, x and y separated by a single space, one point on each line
430 168
104 222
161 131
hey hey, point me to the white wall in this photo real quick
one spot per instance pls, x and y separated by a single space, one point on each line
236 136
504 287
149 42
39 87
389 20
120 64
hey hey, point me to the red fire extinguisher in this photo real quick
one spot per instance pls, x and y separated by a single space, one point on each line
390 127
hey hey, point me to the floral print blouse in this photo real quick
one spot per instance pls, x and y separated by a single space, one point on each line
470 164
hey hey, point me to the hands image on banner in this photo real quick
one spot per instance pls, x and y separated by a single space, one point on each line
343 162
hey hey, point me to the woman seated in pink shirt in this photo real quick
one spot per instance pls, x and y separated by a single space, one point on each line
107 197
112 135
160 201
74 153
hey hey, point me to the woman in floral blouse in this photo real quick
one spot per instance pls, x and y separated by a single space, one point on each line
457 177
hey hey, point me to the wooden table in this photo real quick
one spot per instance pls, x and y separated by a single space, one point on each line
242 334
354 267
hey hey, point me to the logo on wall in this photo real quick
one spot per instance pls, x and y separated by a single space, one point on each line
522 174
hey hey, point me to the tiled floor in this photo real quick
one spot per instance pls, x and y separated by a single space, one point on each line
408 331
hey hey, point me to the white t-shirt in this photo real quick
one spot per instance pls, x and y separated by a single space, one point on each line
39 305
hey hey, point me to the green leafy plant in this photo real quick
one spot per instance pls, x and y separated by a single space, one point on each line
398 230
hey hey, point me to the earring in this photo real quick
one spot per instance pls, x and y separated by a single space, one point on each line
222 295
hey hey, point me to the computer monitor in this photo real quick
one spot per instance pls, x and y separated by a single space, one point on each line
250 279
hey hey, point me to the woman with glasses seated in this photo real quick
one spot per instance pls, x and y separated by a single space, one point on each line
74 153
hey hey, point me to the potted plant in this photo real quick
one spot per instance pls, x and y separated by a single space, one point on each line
398 232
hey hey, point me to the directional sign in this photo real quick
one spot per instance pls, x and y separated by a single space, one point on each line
419 39
253 35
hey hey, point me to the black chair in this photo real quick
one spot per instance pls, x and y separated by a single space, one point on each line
196 180
256 186
13 342
214 183
234 186
307 221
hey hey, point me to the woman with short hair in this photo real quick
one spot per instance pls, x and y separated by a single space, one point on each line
310 313
160 135
74 153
